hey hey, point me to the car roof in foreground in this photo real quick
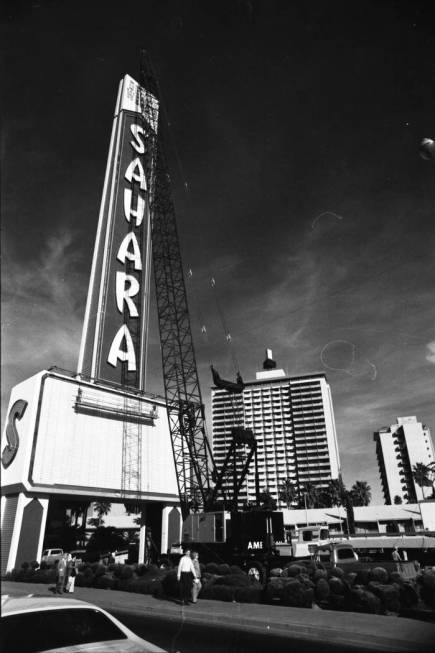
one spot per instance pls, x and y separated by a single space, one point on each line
15 604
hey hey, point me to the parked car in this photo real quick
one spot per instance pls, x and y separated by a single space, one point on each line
50 556
38 624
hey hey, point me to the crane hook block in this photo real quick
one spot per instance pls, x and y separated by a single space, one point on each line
231 386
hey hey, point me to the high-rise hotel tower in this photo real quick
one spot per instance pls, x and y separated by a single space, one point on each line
293 422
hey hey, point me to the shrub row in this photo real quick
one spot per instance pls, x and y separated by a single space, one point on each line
372 591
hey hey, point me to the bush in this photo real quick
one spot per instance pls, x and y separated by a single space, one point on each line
293 570
44 576
336 586
234 580
379 575
126 572
305 580
350 578
25 565
322 590
99 570
319 573
365 601
34 565
388 595
208 578
224 569
427 579
122 572
140 570
296 595
154 573
103 582
362 577
218 593
408 595
248 594
274 588
83 580
235 569
396 577
212 568
170 584
336 572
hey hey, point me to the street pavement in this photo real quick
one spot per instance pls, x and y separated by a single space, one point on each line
311 628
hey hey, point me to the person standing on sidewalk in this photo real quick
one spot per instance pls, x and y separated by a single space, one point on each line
185 575
196 587
397 559
61 574
71 574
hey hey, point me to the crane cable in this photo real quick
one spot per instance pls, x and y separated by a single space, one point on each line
212 279
237 411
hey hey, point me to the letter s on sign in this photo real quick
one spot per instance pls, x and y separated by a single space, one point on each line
10 451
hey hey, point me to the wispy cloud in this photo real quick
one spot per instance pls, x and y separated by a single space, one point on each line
431 354
42 310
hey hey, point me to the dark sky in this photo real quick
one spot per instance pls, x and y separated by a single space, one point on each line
292 137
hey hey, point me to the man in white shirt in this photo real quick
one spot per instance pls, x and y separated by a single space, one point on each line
185 575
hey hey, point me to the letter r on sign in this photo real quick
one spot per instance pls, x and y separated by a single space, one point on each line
125 294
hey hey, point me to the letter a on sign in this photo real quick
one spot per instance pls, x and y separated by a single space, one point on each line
116 353
124 251
135 171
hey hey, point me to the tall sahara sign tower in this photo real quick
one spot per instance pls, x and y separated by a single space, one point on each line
114 339
97 435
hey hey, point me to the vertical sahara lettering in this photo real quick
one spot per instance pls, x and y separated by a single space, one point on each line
113 346
16 413
128 286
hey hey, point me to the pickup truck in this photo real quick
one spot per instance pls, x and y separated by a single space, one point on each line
342 554
50 556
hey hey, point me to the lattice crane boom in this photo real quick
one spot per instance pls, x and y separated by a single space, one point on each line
194 464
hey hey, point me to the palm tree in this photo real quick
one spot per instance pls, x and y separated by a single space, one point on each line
431 467
101 508
350 516
266 500
421 475
309 495
287 493
337 491
361 493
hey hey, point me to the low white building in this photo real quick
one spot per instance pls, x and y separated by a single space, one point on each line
411 517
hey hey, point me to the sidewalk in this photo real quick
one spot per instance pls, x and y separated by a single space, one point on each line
370 632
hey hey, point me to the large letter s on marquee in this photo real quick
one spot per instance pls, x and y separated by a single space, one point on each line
10 450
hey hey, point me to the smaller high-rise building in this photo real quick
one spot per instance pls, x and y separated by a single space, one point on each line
398 448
